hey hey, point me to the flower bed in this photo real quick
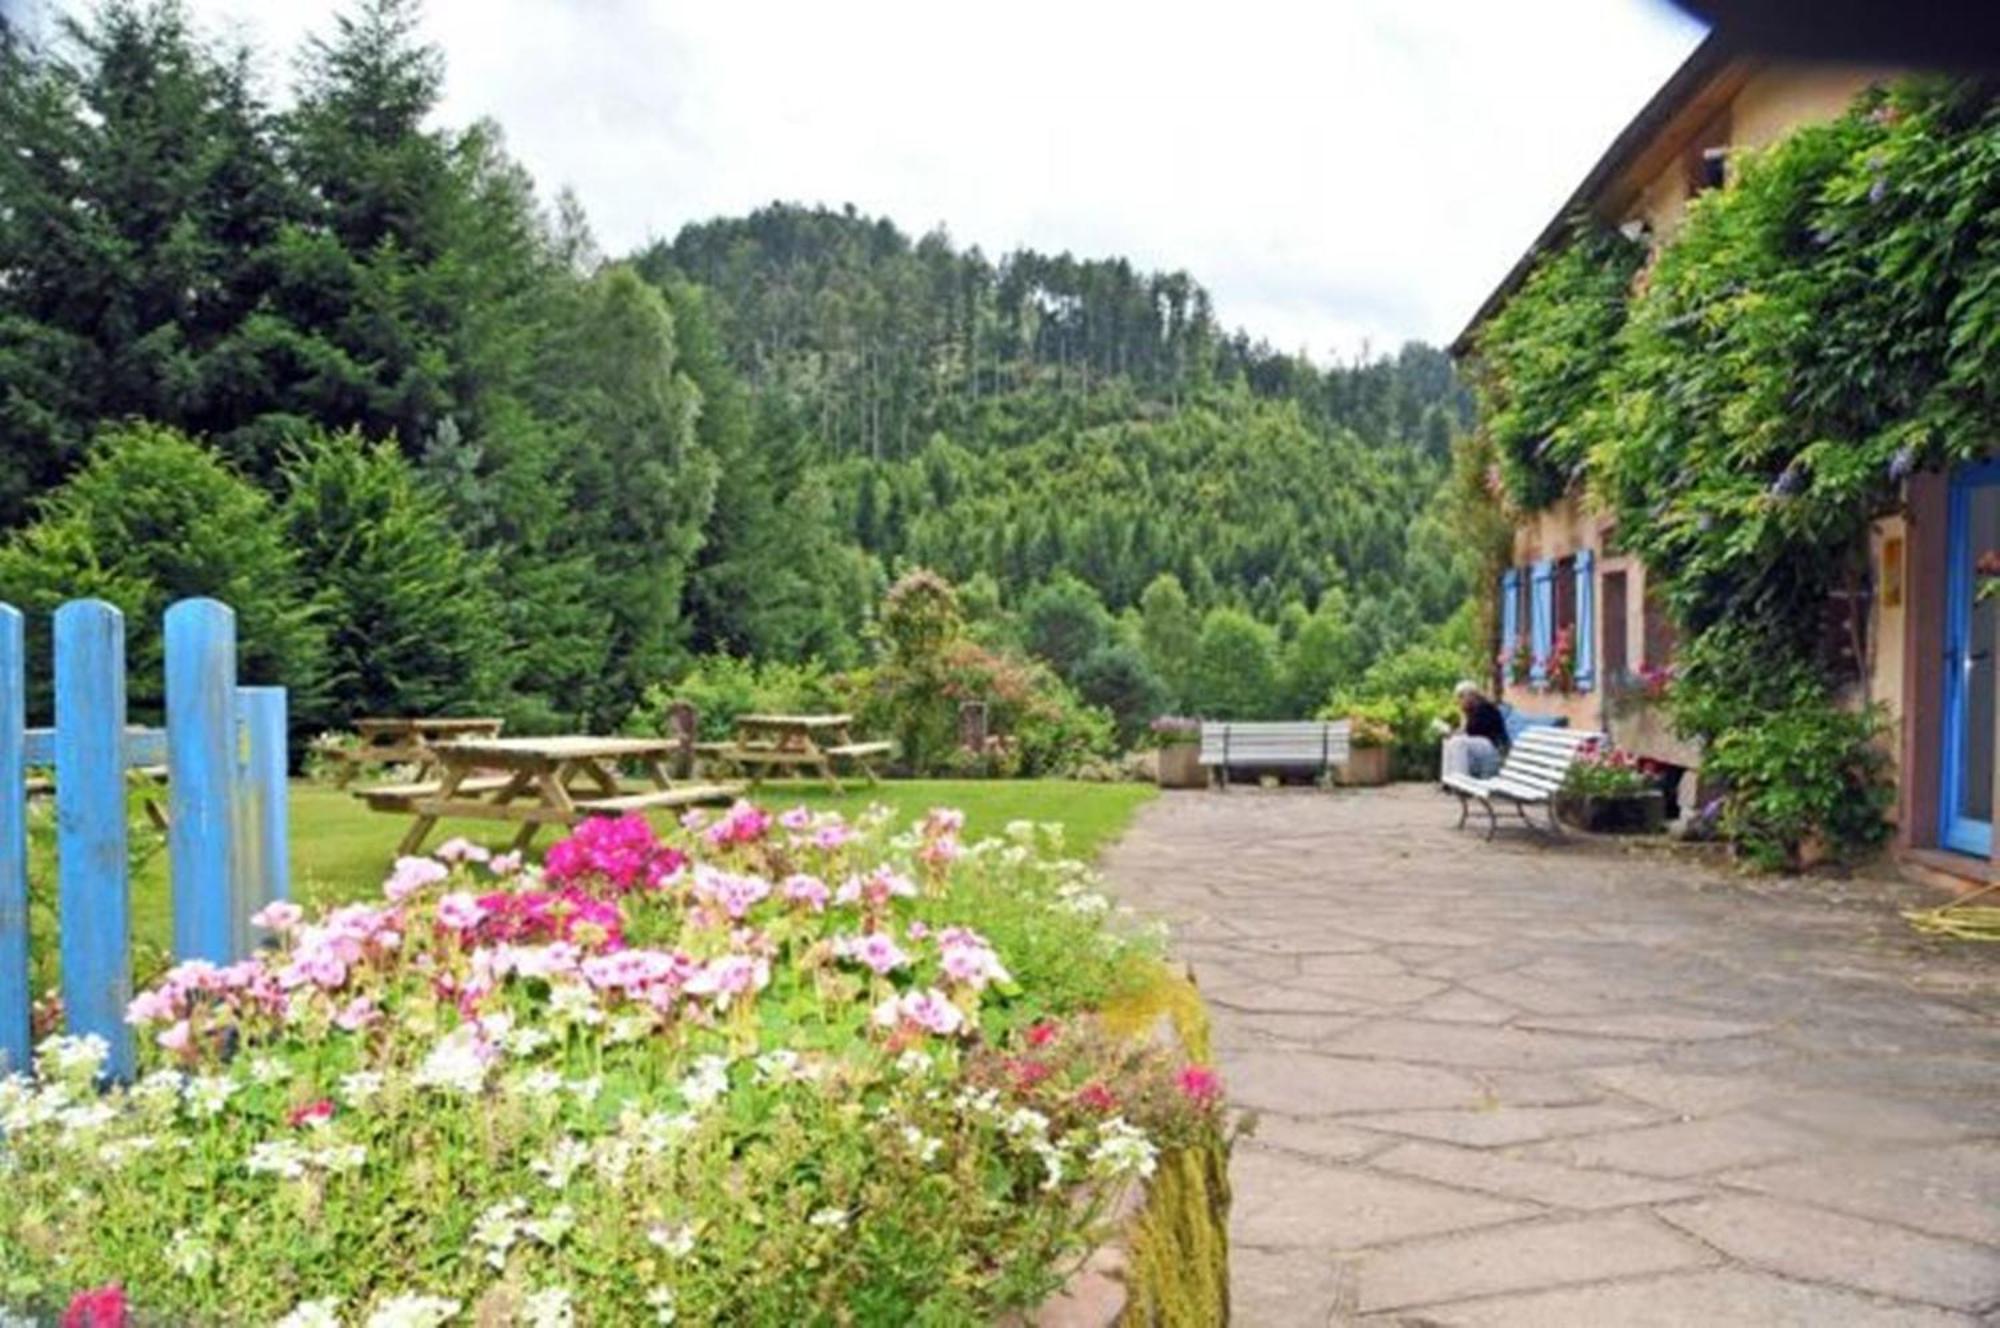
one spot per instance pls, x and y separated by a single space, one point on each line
772 1070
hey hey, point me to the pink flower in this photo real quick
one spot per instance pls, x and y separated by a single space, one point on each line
175 1039
621 852
1042 1032
876 950
743 823
966 957
944 821
100 1307
151 1007
357 1014
1200 1085
831 837
280 915
462 850
312 1114
929 1009
411 875
734 895
460 912
1098 1098
798 818
506 864
730 976
808 890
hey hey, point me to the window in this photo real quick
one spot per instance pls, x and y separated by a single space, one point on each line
1659 638
1617 655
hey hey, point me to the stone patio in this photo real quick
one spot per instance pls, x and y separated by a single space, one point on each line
1514 1085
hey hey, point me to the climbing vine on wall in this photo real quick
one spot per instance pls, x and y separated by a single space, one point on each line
1816 332
1542 357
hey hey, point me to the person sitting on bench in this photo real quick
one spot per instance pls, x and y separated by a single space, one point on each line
1475 749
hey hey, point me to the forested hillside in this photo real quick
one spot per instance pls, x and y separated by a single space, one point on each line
342 365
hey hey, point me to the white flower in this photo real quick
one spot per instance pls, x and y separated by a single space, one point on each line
575 1003
497 1229
628 1028
707 1081
360 1086
662 1301
778 1064
527 1040
914 1062
161 1088
313 1314
66 1057
548 1308
340 1157
208 1094
115 1153
457 1063
283 1158
188 1254
677 1242
656 1131
552 1229
923 1145
1123 1150
539 1084
830 1217
1052 1165
561 1163
269 1070
1025 1120
413 1312
585 1091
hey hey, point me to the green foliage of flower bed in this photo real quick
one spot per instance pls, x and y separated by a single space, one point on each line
763 1072
1815 333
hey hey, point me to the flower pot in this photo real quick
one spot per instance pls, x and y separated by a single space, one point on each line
1180 766
1619 814
1366 766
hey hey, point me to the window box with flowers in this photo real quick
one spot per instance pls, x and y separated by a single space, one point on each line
1610 791
1179 742
1371 743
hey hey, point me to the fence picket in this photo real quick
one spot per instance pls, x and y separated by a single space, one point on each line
16 996
263 818
201 775
92 890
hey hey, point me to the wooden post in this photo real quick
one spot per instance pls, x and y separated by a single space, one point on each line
92 885
263 819
16 996
683 726
202 762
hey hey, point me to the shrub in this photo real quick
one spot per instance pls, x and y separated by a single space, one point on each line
721 687
1116 677
1604 771
775 1070
153 517
1808 772
1064 623
1037 724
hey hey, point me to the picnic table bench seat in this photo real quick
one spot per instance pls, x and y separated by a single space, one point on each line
1313 744
403 797
1531 774
861 749
683 795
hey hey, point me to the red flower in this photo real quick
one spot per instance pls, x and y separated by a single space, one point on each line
312 1113
1027 1072
101 1307
1199 1085
1042 1032
1098 1098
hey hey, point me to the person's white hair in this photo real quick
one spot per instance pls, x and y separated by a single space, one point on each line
1466 687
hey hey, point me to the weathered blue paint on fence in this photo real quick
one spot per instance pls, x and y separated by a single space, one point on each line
142 746
92 889
15 995
263 822
202 760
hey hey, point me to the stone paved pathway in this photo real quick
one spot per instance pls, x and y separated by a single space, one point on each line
1507 1085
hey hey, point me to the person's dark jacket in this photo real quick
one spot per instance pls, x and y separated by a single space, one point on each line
1484 720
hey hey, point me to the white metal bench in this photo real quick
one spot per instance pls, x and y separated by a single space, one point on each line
1274 745
1532 772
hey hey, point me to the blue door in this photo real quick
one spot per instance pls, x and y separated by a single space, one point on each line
1973 545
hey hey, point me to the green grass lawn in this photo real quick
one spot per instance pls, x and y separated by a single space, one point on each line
341 850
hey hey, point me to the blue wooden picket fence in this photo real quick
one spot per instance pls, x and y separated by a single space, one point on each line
224 750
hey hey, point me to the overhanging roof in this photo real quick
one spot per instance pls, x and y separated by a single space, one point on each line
1702 85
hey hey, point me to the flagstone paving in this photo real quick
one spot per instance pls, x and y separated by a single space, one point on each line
1510 1084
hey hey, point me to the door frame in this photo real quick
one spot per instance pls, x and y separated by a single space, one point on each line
1959 834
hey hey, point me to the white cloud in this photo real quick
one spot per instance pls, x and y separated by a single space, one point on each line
1333 172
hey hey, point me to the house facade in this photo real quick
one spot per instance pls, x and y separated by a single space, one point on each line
1581 632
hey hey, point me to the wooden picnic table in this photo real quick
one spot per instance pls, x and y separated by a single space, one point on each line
390 740
799 743
539 781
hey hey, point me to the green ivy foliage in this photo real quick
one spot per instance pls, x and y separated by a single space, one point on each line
1818 331
1543 356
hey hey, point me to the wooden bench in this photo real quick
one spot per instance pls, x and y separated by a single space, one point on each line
684 795
1274 745
1534 769
404 797
858 750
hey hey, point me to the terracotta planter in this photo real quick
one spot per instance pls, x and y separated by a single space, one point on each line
1366 767
1180 767
1626 814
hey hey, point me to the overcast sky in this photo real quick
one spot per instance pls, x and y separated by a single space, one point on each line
1335 171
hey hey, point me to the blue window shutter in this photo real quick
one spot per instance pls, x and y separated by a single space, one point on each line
1510 625
1542 608
1586 619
